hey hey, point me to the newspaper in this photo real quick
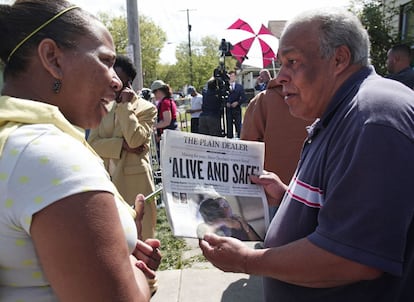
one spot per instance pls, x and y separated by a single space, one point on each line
206 186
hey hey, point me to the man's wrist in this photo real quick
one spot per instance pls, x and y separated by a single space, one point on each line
246 262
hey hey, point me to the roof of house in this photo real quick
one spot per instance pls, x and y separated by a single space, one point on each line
276 27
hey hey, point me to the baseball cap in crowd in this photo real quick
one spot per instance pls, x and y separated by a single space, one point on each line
157 85
190 89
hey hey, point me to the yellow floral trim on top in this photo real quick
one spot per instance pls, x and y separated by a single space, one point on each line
15 112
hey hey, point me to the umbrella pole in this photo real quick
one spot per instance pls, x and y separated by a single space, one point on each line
274 67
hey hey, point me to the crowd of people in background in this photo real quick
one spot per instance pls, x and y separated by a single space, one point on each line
222 115
217 114
266 117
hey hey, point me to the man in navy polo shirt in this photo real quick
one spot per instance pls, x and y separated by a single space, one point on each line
344 230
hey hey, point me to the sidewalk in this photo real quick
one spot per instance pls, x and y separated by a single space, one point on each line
205 283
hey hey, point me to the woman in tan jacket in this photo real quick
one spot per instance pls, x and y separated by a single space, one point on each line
123 141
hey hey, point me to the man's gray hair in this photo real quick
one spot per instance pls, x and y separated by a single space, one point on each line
338 27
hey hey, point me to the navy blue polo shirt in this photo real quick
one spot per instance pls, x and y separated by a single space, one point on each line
351 193
405 76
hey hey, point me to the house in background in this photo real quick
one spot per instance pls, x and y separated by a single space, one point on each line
407 20
403 21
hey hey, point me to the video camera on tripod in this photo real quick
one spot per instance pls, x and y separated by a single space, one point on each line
220 73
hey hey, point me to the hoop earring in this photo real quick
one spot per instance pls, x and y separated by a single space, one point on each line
56 86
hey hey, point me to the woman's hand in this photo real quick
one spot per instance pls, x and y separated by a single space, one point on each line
139 209
146 252
148 256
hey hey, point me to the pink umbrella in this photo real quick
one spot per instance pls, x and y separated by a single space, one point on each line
251 48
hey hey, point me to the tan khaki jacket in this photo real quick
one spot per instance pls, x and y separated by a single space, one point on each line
130 172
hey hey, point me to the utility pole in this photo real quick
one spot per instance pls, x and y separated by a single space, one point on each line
190 59
189 47
134 45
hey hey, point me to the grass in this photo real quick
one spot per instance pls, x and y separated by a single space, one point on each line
172 247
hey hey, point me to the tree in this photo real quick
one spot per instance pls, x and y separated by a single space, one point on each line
377 18
118 28
205 54
205 58
152 38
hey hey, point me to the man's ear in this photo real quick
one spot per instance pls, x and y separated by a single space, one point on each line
50 56
342 58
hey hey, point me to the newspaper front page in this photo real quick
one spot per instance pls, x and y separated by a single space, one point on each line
206 186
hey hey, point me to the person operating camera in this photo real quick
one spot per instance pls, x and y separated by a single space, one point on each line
210 122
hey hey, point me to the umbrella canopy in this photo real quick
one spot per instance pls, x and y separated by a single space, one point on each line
257 49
